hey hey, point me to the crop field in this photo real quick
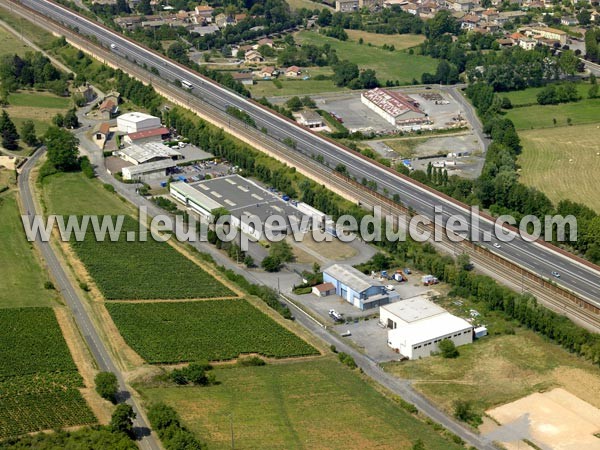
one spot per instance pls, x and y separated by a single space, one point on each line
396 65
541 116
204 330
144 269
563 162
22 279
308 404
38 379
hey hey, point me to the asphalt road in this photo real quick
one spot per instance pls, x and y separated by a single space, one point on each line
146 440
539 259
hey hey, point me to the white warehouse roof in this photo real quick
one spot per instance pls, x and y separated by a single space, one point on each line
351 277
414 309
148 151
429 329
136 117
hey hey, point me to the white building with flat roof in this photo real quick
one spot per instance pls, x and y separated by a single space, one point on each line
395 107
135 122
417 325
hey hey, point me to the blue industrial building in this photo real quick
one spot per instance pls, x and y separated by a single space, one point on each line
357 288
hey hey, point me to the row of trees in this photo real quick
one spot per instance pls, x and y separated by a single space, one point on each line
555 94
31 70
592 44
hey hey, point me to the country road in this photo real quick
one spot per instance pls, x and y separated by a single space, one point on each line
146 439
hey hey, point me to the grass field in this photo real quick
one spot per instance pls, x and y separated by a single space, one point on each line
499 368
563 162
39 100
204 330
538 116
316 404
298 86
21 275
299 4
529 95
9 44
30 31
38 379
137 269
397 65
399 41
70 193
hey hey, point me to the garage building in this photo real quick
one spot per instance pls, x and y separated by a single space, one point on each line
157 170
417 325
357 288
134 122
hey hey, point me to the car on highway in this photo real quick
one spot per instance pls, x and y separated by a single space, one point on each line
113 46
555 274
496 245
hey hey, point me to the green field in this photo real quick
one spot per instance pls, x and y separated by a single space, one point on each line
529 95
139 269
397 65
296 86
39 100
10 44
399 41
70 193
38 379
538 116
205 330
316 404
299 4
563 162
21 275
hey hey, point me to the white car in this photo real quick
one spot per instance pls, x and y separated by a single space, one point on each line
113 46
389 287
496 245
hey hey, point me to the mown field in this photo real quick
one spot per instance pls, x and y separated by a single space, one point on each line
541 116
296 86
399 41
529 95
311 404
10 44
563 162
21 275
138 269
397 65
205 330
38 379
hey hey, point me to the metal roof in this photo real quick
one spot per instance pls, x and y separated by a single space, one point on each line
149 167
414 309
351 277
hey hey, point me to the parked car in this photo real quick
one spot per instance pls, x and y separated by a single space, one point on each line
336 316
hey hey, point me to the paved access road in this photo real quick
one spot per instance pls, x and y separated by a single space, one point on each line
147 441
539 259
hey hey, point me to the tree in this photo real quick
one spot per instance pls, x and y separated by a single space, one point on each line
144 7
107 386
28 133
271 264
59 120
122 419
418 445
593 91
344 73
8 132
248 261
368 79
463 262
71 121
308 102
282 251
448 349
294 103
568 62
584 17
62 149
463 410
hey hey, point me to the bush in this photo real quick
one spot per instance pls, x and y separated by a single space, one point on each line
463 410
49 285
333 348
195 373
109 187
251 361
174 436
107 386
448 349
348 360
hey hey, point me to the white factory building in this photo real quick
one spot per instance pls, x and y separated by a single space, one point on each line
147 153
417 325
396 108
134 122
148 171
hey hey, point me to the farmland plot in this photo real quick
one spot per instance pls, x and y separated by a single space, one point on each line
38 379
205 330
144 270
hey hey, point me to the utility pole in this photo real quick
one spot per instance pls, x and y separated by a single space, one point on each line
231 428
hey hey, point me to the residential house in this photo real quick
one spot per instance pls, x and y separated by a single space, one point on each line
293 71
223 20
310 119
460 5
203 13
243 77
87 92
469 22
569 21
346 5
253 56
266 41
267 72
108 109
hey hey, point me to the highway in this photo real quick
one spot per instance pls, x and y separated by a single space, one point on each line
146 440
574 275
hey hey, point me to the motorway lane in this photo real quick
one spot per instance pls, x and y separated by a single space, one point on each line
146 440
574 275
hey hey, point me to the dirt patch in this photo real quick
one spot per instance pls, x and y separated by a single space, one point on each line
580 383
8 162
334 250
85 365
555 419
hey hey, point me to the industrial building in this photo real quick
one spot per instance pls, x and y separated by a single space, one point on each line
135 122
151 135
357 288
148 152
417 325
248 204
156 170
396 108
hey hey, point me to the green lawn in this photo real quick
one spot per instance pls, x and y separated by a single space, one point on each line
397 65
73 193
399 41
317 404
300 87
30 31
529 95
10 44
299 4
22 277
538 116
39 100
